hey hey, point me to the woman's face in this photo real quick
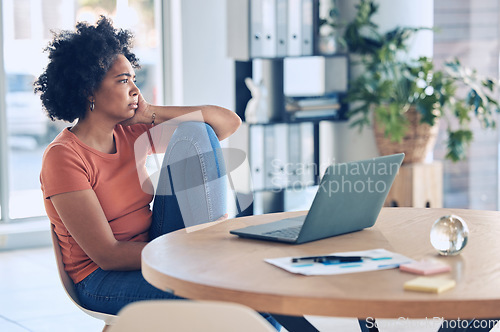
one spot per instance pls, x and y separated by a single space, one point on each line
117 96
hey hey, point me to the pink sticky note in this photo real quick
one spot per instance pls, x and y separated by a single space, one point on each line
425 267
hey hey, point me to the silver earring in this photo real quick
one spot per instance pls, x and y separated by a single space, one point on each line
92 106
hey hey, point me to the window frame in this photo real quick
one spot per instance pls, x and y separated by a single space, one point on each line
4 157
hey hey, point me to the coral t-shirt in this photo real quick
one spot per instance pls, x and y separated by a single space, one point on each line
70 165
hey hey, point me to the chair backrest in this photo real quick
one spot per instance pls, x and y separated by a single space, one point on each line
69 287
189 316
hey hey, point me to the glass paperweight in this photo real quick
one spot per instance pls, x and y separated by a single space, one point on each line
449 235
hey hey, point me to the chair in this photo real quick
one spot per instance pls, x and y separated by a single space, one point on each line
69 286
189 316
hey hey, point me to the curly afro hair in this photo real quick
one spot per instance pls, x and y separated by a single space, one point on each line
78 61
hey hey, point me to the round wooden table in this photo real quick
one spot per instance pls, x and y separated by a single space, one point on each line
211 264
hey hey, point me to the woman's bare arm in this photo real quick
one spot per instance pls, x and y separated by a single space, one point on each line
84 218
223 121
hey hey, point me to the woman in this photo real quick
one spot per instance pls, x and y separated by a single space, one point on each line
92 187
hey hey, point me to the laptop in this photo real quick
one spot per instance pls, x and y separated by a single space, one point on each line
349 198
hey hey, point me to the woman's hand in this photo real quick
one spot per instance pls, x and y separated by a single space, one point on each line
143 113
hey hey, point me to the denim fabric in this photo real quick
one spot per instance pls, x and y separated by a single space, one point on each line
109 291
192 173
194 170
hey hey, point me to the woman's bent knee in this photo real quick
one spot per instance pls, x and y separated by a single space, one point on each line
195 129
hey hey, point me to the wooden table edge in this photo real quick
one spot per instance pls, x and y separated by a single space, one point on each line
277 304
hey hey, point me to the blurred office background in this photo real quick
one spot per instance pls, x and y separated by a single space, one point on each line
182 46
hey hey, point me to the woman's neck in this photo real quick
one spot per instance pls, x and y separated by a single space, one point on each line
97 136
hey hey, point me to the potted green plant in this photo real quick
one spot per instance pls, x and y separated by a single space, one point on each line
406 98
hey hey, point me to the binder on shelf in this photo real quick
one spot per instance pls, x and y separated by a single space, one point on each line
294 33
268 156
281 28
257 149
280 157
275 156
308 167
307 27
294 166
269 28
256 28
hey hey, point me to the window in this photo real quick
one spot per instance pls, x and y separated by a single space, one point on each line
27 26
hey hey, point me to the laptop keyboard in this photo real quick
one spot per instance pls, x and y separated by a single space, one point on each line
286 233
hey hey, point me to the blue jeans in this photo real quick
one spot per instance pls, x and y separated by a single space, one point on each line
191 190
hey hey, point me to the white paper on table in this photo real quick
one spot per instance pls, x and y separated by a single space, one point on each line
380 259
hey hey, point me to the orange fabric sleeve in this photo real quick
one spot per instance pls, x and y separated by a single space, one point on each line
64 171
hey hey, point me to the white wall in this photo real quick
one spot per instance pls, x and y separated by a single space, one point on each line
393 13
207 73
